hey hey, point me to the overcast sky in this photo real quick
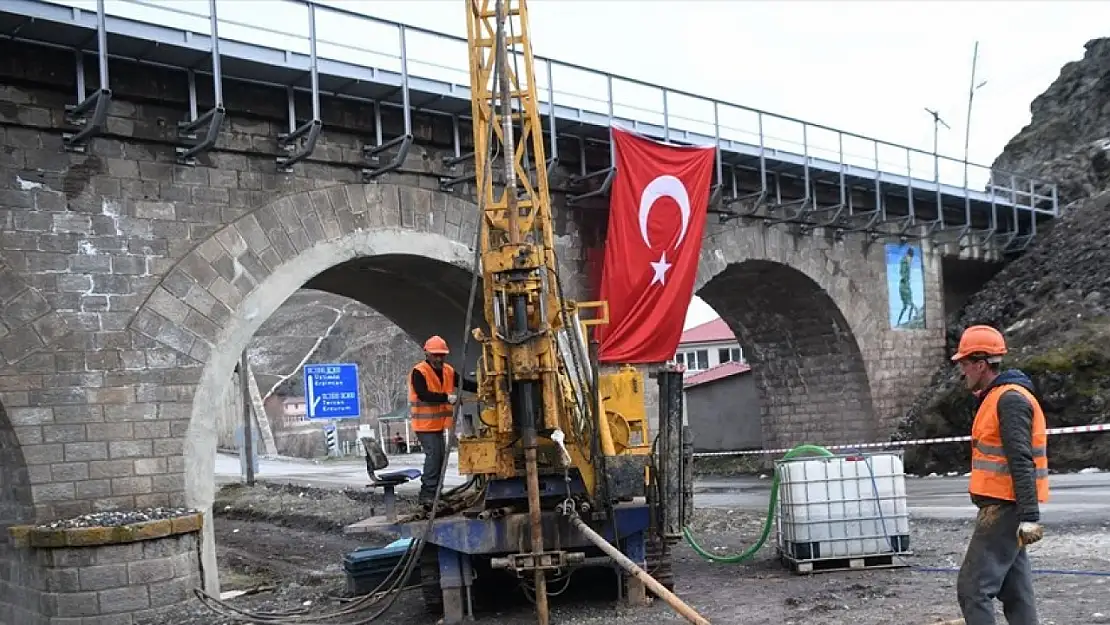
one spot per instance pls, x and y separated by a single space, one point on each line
866 67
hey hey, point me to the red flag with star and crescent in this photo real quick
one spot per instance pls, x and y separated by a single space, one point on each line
657 211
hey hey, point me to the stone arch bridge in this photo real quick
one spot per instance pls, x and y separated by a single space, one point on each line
130 281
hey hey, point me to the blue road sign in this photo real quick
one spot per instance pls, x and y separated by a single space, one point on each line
331 391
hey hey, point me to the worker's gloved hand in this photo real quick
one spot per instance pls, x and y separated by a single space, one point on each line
1029 533
452 398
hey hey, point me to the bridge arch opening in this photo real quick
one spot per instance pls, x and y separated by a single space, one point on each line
15 498
810 375
419 281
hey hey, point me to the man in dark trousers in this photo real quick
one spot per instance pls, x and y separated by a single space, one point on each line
1009 481
433 393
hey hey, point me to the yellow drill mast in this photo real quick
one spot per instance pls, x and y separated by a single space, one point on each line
534 377
524 384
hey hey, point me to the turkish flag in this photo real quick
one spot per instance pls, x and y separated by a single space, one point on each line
657 208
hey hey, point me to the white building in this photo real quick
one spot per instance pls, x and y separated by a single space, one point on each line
708 345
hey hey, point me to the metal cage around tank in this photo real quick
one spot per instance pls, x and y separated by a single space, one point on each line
878 187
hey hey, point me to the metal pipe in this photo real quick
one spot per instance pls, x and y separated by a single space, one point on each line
658 589
551 112
315 64
405 101
217 72
248 435
101 44
508 142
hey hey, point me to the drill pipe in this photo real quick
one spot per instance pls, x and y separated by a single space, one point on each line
660 591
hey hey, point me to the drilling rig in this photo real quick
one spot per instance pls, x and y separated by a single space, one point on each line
563 470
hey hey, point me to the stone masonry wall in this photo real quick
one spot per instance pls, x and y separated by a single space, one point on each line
811 312
99 406
125 583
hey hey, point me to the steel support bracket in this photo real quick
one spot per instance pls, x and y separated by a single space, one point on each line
609 173
210 122
372 154
835 211
403 143
310 131
984 235
756 201
213 120
872 219
797 216
93 125
446 183
1019 244
98 101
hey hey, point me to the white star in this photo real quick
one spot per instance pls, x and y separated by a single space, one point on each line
660 268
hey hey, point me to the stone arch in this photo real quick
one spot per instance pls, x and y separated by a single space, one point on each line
799 313
408 246
16 506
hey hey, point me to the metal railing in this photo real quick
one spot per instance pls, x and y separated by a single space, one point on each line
329 33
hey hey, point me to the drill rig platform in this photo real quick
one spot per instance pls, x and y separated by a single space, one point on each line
485 525
563 470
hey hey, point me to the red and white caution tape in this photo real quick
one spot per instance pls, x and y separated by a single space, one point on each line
1075 429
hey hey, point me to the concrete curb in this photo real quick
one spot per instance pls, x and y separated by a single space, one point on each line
24 536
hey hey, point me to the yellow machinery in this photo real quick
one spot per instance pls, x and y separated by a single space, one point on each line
561 454
535 346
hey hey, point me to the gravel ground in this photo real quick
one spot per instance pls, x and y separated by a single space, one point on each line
298 565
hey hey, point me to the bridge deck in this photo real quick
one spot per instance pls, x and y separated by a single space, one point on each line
351 69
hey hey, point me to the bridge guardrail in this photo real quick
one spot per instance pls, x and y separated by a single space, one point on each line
349 37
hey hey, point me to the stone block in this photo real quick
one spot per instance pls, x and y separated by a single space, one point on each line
104 576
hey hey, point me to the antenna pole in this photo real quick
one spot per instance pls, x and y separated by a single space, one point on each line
970 99
937 123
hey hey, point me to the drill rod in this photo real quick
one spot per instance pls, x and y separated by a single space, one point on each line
660 591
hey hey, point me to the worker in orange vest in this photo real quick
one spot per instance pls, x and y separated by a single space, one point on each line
1009 481
433 393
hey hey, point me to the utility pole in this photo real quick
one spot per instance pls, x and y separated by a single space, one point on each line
937 123
245 392
970 98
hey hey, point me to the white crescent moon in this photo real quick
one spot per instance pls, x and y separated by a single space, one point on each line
664 186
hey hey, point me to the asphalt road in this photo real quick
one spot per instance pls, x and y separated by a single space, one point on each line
1075 497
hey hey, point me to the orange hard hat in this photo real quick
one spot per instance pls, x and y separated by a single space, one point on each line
981 340
436 345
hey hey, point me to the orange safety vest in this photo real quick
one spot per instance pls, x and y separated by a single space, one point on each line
429 417
990 472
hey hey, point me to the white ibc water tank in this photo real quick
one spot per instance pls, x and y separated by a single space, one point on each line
842 507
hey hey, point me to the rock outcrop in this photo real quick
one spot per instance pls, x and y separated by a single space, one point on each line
1066 139
1053 302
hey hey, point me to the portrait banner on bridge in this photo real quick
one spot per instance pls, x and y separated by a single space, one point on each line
657 212
905 286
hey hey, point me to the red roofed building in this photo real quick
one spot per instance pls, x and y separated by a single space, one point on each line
722 408
705 346
719 393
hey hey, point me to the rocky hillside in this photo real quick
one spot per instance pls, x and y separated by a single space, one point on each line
1053 302
315 326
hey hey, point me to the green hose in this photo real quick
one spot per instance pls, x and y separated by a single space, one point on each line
751 551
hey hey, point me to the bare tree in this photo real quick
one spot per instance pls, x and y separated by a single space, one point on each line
383 380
